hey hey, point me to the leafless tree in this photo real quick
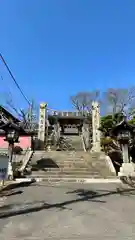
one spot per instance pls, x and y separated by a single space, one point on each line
120 100
82 101
28 117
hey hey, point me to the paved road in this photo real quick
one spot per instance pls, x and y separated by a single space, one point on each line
68 211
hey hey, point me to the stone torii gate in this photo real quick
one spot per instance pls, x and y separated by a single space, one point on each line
96 145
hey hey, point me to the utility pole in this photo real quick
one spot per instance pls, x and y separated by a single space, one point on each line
30 114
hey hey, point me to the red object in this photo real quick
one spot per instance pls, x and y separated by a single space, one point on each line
24 142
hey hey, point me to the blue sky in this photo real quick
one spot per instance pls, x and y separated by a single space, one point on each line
56 48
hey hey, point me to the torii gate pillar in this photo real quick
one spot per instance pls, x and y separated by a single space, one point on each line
95 127
42 122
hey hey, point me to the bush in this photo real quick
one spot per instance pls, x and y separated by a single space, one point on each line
106 141
106 144
17 150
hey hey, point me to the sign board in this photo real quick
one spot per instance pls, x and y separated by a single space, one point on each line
3 167
42 119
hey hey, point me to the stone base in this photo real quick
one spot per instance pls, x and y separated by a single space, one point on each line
95 150
127 169
49 148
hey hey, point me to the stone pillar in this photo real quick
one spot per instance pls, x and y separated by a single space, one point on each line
96 147
125 153
42 123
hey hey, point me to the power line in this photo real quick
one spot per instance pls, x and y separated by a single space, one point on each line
6 85
14 79
30 104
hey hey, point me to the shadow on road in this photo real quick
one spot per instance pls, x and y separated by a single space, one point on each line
10 193
84 195
102 193
16 185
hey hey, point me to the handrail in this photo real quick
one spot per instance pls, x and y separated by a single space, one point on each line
83 143
56 133
85 137
26 156
21 155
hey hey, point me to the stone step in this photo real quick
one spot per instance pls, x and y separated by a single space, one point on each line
73 171
70 179
64 180
62 164
72 165
66 169
69 162
57 161
61 159
61 153
61 156
66 176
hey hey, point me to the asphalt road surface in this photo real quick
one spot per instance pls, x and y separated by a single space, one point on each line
68 211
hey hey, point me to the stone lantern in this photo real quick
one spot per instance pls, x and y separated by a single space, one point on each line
124 132
11 136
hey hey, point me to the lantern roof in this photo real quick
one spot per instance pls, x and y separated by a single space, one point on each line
123 125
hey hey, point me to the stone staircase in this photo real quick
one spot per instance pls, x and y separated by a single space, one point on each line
68 166
76 141
70 143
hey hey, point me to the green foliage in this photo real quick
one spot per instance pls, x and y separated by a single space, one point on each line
109 121
106 141
118 117
106 124
132 121
52 119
